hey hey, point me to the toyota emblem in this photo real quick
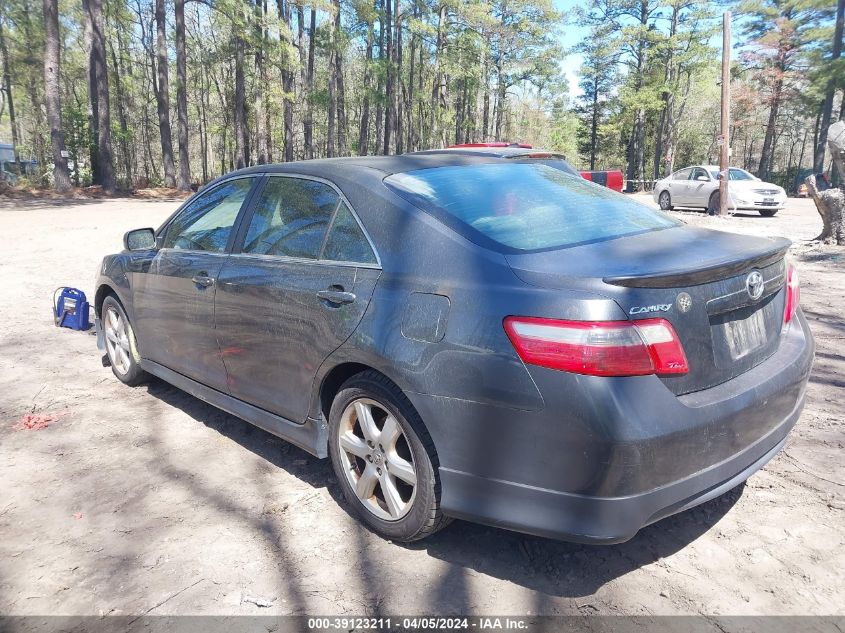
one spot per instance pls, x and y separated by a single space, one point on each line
755 285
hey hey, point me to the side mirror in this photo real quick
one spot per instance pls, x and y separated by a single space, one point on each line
139 240
702 178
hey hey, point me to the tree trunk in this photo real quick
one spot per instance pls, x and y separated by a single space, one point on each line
121 116
400 93
240 103
261 131
830 203
364 127
308 119
100 89
594 125
485 78
162 94
287 80
409 101
501 91
438 92
827 106
331 123
341 91
771 127
380 89
184 183
93 104
7 87
303 59
389 95
51 81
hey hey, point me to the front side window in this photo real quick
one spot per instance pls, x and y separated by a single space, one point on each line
206 223
739 174
291 218
697 172
524 207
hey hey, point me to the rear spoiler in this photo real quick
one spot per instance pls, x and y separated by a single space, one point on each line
712 272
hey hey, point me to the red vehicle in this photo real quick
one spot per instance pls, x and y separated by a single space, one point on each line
610 179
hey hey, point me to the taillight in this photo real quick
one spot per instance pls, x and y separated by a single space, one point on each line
793 293
599 348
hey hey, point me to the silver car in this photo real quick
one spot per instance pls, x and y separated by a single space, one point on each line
698 186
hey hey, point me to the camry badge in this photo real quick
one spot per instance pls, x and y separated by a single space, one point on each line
684 302
660 307
755 285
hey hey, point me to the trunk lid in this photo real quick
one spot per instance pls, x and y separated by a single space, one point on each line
697 279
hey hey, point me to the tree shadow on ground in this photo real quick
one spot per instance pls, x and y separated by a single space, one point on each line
554 567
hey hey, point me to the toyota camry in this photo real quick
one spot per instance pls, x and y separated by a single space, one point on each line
470 336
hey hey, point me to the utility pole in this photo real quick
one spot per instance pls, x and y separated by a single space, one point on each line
724 137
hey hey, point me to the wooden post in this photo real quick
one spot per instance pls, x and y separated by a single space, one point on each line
724 137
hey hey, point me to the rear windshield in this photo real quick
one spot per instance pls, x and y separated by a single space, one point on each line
525 207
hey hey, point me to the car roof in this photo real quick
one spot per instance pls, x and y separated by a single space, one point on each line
500 152
386 164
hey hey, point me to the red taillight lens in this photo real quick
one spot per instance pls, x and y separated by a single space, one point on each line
793 293
599 348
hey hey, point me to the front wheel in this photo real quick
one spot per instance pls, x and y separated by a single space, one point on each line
121 346
767 213
665 201
384 459
714 204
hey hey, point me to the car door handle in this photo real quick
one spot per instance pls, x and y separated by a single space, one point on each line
336 296
203 280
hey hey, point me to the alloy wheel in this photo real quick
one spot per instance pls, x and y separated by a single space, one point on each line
377 460
117 341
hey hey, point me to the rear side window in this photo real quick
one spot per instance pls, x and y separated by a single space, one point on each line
291 218
524 207
346 241
683 174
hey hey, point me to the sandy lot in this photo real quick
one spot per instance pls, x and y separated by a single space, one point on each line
146 500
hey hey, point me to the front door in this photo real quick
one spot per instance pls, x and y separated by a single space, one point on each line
700 187
174 300
678 186
292 293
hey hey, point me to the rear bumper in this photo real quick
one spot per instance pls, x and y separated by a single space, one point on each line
599 520
607 457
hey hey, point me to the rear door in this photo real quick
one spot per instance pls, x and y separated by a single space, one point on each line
174 299
295 288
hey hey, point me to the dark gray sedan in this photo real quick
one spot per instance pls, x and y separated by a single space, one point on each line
469 336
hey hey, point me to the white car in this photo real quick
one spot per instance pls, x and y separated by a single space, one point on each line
698 186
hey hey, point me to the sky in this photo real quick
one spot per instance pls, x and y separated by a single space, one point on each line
571 34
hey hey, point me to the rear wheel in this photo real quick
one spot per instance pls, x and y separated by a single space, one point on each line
121 346
384 459
665 201
767 213
713 205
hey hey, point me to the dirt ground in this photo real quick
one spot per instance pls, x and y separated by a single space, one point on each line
148 501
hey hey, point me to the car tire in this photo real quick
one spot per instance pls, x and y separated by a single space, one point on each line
121 346
767 213
713 204
665 201
378 447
